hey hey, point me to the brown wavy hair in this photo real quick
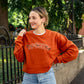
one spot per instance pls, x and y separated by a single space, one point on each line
42 13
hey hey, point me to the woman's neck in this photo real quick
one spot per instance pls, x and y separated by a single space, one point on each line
39 30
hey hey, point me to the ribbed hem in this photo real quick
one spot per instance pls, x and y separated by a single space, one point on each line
35 71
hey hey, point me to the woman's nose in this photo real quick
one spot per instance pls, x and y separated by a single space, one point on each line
30 20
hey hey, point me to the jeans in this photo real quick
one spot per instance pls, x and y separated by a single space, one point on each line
42 78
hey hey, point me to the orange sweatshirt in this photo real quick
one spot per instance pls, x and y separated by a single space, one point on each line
39 52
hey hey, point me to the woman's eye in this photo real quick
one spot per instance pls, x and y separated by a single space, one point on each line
33 17
28 18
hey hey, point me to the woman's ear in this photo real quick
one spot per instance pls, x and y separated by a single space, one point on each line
43 20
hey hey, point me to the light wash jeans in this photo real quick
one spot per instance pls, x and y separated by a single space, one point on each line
42 78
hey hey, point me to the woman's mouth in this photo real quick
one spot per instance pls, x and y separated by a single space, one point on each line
32 24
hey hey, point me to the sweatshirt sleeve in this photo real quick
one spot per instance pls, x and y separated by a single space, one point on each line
18 50
69 49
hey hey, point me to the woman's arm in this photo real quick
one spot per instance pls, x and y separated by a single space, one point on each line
19 50
69 49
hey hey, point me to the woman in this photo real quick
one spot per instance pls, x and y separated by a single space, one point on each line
40 48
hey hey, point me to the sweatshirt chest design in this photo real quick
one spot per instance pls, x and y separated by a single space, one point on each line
38 46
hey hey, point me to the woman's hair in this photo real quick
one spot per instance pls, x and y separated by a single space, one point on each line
42 13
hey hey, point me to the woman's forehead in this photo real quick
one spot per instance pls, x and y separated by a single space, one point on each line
33 13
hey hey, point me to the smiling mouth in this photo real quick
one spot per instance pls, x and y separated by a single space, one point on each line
32 24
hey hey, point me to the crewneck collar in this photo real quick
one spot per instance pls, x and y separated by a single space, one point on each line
45 34
40 33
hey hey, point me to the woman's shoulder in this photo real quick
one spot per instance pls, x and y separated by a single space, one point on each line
29 32
53 32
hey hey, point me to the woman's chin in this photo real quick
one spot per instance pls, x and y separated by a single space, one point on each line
33 28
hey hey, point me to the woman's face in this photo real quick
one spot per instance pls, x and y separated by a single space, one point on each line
35 20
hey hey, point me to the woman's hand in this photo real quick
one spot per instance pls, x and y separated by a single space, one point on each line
22 32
